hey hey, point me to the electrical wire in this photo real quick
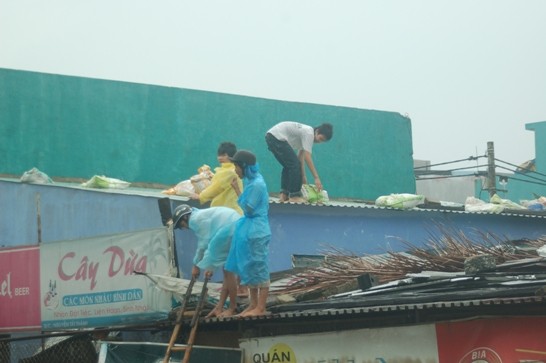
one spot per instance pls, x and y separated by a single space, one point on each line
538 181
449 176
527 181
468 167
526 175
422 176
518 167
470 158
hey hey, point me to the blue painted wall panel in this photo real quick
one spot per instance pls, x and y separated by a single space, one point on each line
309 230
73 213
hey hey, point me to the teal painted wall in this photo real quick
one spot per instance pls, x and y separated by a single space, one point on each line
78 127
540 147
525 186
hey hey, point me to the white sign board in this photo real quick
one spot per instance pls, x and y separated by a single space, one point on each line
91 282
400 344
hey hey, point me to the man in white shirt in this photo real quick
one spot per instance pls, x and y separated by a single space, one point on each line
283 140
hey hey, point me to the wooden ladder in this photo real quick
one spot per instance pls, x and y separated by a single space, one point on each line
194 323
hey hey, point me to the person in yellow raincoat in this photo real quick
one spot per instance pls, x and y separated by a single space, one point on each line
220 192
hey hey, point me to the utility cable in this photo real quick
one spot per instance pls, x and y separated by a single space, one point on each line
528 176
449 176
528 181
518 167
451 170
468 167
538 181
470 158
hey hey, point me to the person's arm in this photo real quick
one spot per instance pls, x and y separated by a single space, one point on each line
210 192
198 255
301 158
309 161
235 185
200 225
218 247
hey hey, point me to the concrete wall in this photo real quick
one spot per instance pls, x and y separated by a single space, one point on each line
449 189
78 127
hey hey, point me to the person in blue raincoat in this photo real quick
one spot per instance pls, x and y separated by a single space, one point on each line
249 253
214 228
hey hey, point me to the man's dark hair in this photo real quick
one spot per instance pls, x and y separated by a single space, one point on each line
325 129
228 148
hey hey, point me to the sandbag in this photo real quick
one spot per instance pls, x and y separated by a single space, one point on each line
35 176
104 182
312 195
400 201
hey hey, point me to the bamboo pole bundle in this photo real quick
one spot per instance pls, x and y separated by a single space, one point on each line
445 252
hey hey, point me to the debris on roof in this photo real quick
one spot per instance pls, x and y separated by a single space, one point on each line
450 256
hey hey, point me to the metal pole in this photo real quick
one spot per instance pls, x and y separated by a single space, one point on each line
491 177
38 218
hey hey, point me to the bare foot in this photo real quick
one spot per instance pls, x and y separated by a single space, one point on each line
227 313
216 312
253 312
298 200
283 197
249 308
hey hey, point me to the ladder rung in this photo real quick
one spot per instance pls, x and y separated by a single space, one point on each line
178 349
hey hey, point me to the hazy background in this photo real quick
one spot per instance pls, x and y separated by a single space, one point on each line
465 72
